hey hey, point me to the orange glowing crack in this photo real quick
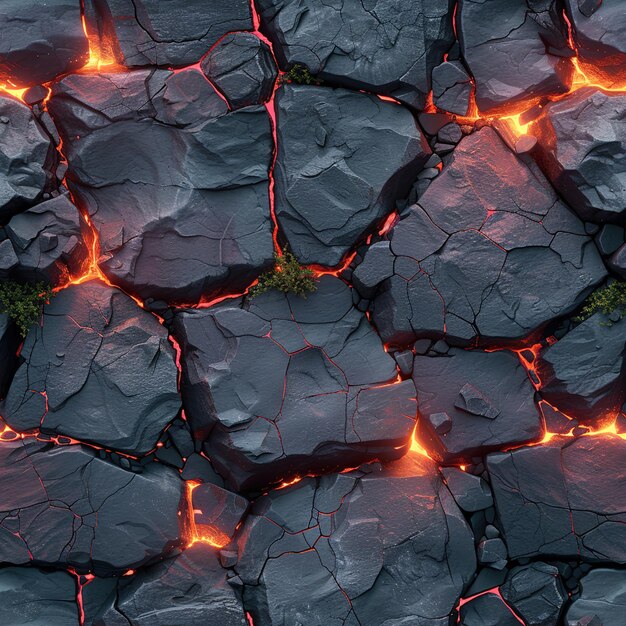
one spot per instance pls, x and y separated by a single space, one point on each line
201 533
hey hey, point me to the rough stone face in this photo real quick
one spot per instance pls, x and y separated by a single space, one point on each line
489 254
563 498
516 51
9 344
584 373
470 492
487 610
175 184
389 47
598 28
44 243
583 151
241 66
281 386
344 158
487 396
353 548
165 32
62 506
40 41
452 88
99 369
37 598
536 593
25 151
603 595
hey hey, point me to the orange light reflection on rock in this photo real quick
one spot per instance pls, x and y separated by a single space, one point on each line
201 533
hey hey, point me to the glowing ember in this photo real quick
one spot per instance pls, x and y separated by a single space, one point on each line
201 533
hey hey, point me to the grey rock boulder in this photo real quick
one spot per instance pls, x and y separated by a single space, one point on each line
452 87
98 369
470 492
344 158
487 610
603 596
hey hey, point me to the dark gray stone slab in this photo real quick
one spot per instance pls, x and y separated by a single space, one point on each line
603 595
452 88
487 610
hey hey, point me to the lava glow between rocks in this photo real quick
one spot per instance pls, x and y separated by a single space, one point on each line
201 533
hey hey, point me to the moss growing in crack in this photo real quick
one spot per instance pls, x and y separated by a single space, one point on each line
23 302
300 75
287 276
608 300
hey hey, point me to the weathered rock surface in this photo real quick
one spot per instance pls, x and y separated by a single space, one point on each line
175 184
489 254
487 610
25 152
37 598
516 51
389 47
44 243
241 66
281 386
40 41
487 396
164 32
353 548
563 498
344 158
584 373
603 595
452 88
62 506
583 151
598 28
99 369
470 492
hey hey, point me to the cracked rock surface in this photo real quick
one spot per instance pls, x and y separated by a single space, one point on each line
98 369
603 596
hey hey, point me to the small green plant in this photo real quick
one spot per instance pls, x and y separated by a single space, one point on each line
287 276
23 302
607 300
301 75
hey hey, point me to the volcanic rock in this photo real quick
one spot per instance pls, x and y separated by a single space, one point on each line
535 592
515 51
62 506
281 386
583 152
98 369
388 47
241 66
487 610
37 598
584 373
40 41
603 595
452 88
176 186
9 344
25 153
344 158
44 243
158 32
610 238
598 28
353 548
470 492
563 498
488 254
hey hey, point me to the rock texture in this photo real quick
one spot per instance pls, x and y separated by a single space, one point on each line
361 544
452 87
489 253
387 47
281 387
583 151
487 610
603 596
98 369
343 160
176 186
40 41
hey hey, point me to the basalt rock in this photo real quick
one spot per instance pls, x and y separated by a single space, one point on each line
516 51
330 186
98 369
241 66
487 610
584 373
452 87
603 596
389 47
176 185
353 548
165 33
62 506
40 41
563 498
25 154
281 386
583 152
489 253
